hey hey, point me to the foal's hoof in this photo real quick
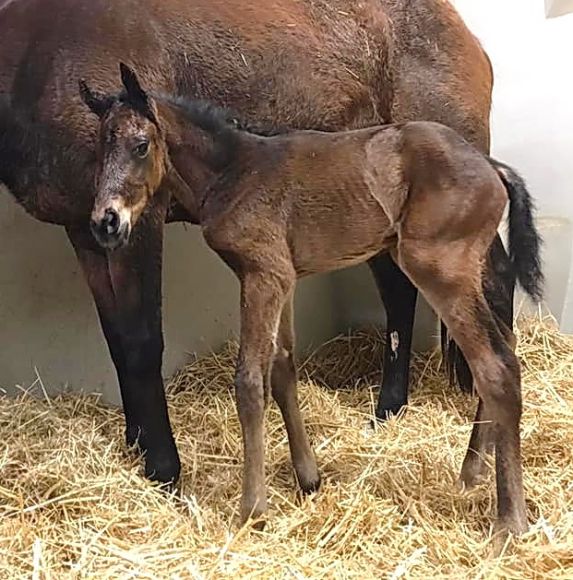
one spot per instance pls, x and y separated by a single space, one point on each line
503 531
468 480
253 512
474 472
309 485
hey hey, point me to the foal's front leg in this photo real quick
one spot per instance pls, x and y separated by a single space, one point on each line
284 388
263 295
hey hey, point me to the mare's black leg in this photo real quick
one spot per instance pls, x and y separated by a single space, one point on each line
126 285
454 362
399 297
93 260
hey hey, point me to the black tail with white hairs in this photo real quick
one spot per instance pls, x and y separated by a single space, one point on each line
524 239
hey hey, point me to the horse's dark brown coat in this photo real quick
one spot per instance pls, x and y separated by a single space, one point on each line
278 208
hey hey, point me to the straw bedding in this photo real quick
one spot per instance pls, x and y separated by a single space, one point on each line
73 502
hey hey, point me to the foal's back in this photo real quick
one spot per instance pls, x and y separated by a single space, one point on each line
330 200
368 188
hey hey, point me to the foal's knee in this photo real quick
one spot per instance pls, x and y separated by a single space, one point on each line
249 392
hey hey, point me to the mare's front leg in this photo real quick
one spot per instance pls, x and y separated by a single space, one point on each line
399 297
263 295
126 286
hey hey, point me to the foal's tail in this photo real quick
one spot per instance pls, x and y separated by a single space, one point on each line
524 239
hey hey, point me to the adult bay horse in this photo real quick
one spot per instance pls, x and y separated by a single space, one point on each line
322 64
282 207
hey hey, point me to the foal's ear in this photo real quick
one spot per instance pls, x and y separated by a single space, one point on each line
131 84
135 93
96 101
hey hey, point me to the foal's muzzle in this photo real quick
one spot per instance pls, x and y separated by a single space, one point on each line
111 231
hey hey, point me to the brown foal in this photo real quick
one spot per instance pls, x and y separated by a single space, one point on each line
279 207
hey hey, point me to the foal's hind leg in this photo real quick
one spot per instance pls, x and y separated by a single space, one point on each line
459 301
499 287
481 444
482 440
284 389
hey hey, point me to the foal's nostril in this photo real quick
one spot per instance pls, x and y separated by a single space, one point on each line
110 222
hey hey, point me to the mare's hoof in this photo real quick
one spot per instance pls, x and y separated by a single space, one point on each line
163 467
385 412
162 462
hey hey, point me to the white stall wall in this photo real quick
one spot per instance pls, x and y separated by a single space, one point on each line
532 119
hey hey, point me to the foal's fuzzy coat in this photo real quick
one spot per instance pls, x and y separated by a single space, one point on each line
277 208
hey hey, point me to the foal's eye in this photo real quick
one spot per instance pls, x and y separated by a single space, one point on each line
142 149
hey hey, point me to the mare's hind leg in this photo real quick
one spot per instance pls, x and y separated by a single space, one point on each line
399 298
451 282
284 389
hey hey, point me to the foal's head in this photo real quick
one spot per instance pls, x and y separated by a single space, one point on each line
132 158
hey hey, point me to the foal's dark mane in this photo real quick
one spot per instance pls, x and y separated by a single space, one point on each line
215 119
223 125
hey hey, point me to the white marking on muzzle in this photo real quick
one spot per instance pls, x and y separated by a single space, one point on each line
118 205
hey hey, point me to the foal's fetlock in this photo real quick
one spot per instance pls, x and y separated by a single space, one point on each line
504 528
473 473
308 478
516 524
253 508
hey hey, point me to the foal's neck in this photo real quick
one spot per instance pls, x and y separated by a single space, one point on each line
202 153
